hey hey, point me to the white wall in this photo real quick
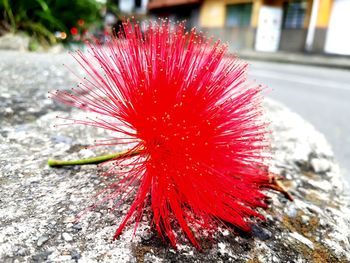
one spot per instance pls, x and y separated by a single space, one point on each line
338 34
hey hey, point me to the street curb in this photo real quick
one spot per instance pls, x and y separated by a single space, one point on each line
302 59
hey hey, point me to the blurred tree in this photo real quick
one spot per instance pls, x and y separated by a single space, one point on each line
42 18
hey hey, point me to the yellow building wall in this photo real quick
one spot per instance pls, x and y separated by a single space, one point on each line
255 13
324 13
212 13
308 14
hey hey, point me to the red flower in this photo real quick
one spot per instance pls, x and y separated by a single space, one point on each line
81 22
194 119
74 31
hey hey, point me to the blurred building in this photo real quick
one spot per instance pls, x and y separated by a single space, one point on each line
132 6
125 9
319 26
177 10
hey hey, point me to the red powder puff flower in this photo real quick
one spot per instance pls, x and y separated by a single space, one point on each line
198 158
74 31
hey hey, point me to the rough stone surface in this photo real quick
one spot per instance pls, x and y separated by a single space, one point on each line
18 42
39 205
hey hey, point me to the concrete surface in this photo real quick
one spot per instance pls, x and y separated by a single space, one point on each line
38 204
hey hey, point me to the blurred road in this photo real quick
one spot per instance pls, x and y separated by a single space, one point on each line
319 95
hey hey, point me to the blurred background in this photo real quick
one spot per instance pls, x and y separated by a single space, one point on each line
316 26
298 48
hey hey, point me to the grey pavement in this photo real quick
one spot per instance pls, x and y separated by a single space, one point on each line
320 95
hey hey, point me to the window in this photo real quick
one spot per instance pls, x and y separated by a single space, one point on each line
294 14
238 15
138 3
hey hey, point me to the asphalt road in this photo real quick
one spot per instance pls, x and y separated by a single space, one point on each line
320 95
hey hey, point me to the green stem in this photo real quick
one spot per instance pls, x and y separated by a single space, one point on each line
94 160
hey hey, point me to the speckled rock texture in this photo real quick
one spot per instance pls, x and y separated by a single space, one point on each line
11 41
39 205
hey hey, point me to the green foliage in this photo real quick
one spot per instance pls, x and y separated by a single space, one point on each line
41 18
